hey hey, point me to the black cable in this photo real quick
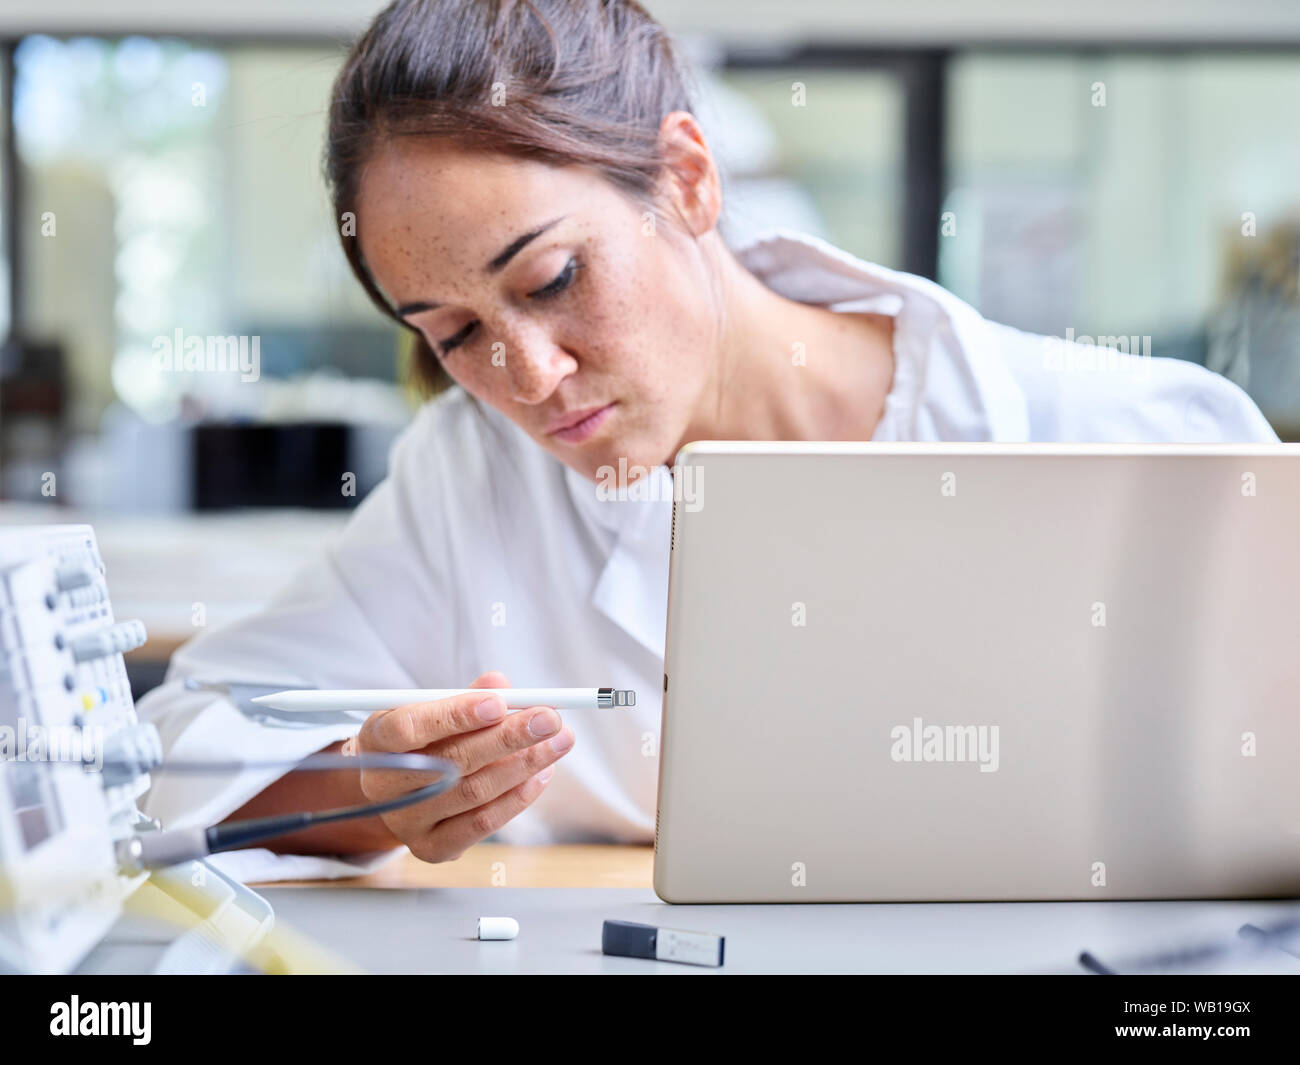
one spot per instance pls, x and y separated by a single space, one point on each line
231 835
1090 962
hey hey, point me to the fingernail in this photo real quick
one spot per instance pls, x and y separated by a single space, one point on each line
562 742
543 723
490 710
546 774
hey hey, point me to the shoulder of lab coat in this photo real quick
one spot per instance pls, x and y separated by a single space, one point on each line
959 376
1078 393
339 625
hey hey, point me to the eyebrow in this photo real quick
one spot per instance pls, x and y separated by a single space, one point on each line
494 266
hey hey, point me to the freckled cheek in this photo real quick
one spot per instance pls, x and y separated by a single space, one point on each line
679 348
603 326
642 317
626 344
657 366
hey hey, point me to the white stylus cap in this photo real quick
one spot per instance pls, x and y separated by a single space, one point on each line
497 928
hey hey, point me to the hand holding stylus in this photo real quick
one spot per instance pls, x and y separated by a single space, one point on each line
506 760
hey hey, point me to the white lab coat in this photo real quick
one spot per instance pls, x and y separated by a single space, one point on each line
482 551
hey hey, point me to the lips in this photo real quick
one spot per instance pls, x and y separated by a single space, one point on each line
568 421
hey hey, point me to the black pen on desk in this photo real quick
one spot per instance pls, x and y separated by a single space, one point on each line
630 939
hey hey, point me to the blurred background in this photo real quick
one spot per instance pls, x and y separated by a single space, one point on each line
1116 168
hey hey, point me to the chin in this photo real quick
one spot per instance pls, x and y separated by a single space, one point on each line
620 466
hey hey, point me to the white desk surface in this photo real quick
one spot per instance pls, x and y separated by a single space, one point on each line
431 930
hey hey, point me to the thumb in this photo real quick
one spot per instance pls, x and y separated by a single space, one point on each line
491 679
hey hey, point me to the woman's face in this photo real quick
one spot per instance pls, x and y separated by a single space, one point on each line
546 293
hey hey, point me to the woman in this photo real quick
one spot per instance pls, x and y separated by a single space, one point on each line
523 185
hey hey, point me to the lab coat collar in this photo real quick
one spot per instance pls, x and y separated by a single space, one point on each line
631 589
931 324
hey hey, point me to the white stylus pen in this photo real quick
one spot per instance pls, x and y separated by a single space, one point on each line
367 701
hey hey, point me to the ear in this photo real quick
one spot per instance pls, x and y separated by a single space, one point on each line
690 183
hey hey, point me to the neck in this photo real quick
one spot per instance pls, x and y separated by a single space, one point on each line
786 370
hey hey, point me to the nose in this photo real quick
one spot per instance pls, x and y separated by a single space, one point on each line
535 364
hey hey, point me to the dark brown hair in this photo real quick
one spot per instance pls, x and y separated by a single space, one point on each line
567 82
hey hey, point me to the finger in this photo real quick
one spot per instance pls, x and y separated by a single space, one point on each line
453 837
416 725
472 751
494 780
492 679
539 727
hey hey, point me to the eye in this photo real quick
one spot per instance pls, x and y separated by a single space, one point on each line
552 288
456 341
562 281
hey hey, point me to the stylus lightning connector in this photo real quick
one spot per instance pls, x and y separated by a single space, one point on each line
608 698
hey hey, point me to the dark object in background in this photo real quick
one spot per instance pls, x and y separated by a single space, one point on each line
33 417
32 378
295 465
